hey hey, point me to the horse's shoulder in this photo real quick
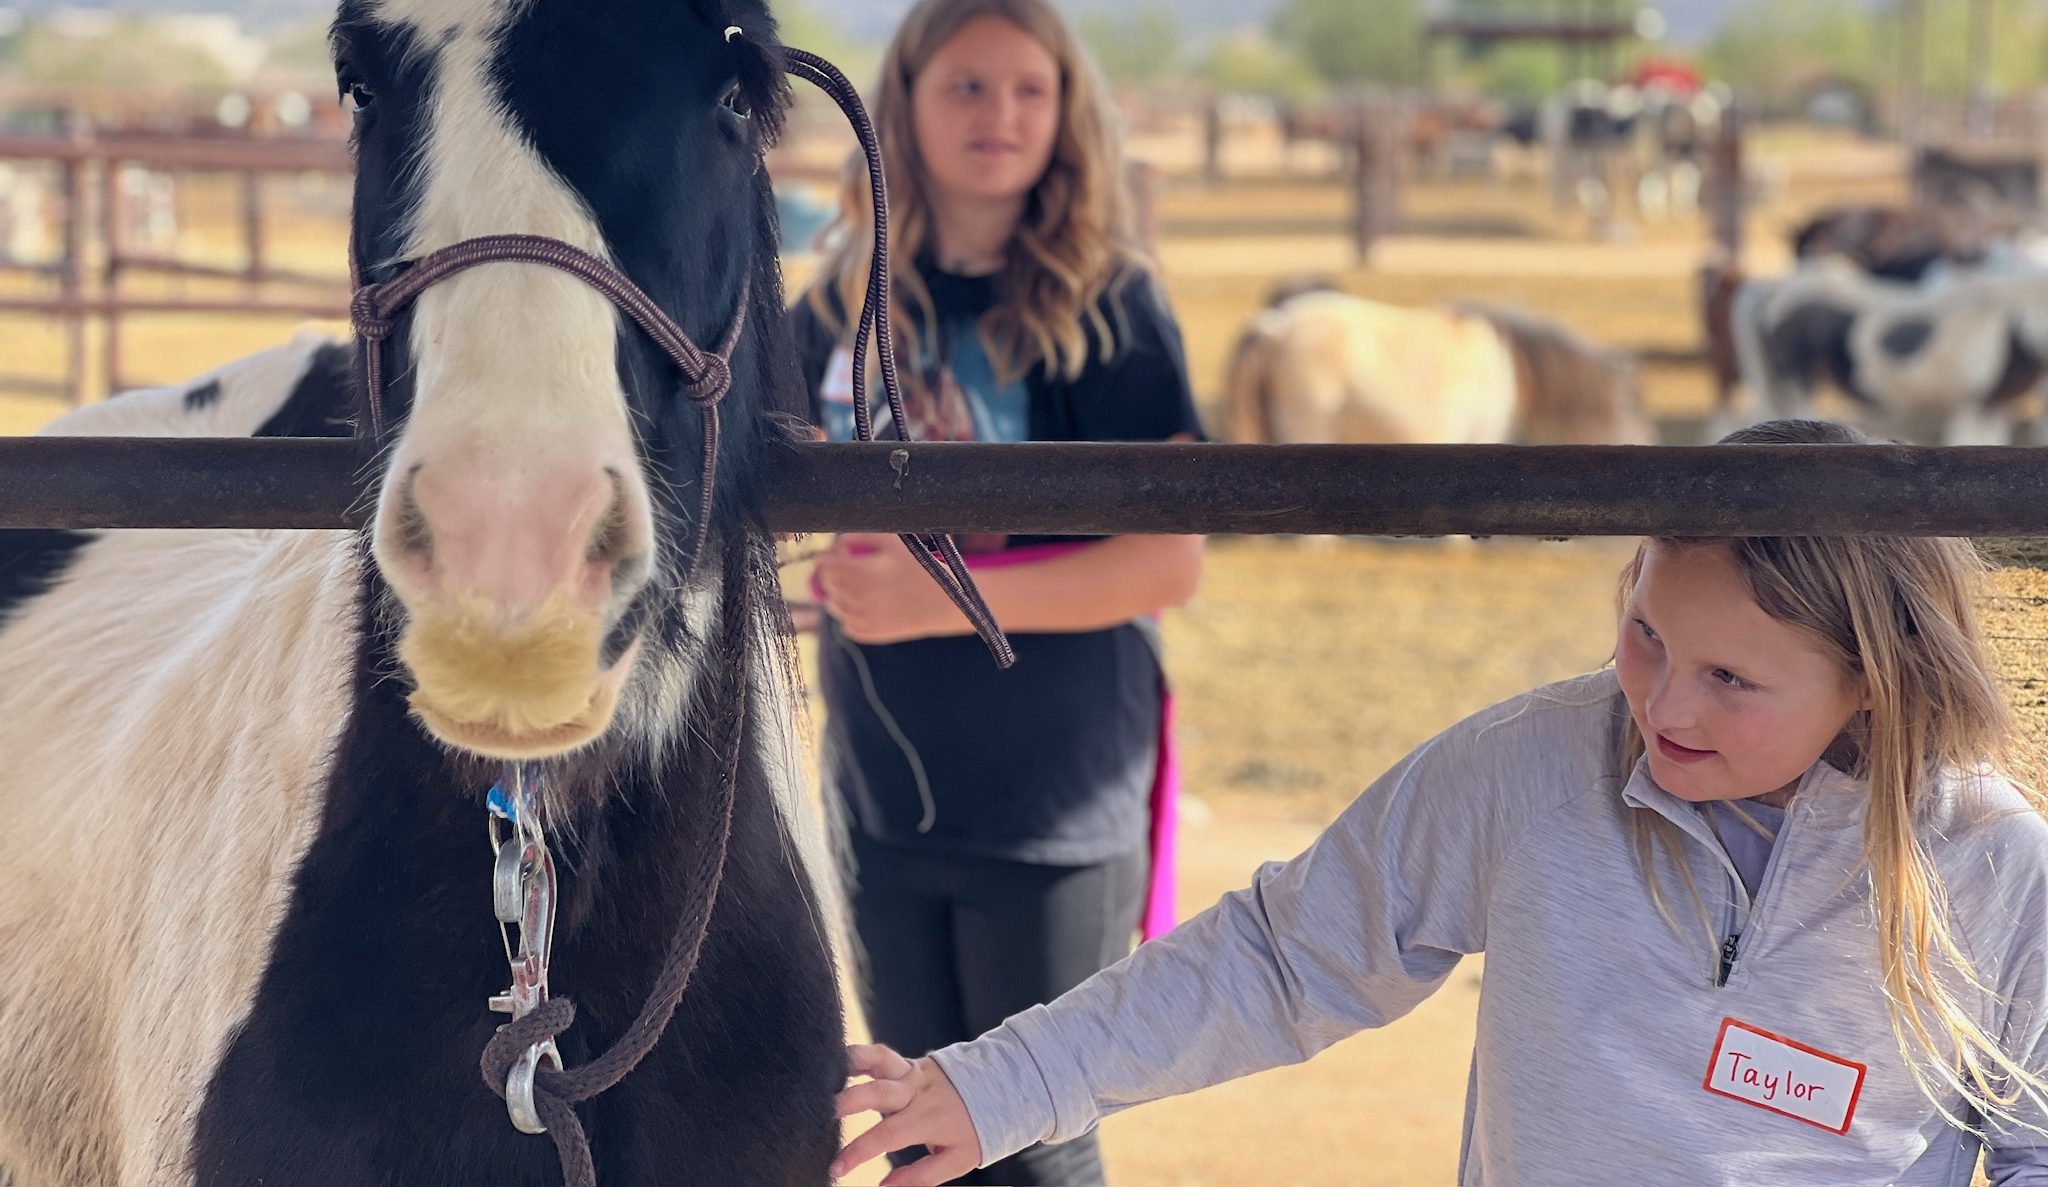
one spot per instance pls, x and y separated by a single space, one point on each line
304 381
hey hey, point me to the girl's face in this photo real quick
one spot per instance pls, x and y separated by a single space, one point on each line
986 109
1731 702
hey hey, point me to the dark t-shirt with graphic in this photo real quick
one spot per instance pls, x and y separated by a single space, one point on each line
926 743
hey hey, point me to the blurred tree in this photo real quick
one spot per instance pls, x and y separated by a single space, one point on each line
806 25
1526 71
125 52
299 56
1775 49
1250 63
1133 46
2019 29
1354 40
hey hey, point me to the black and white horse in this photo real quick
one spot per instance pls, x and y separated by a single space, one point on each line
248 925
1960 352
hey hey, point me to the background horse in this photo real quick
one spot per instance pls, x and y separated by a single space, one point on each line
1961 352
1331 367
1911 244
249 929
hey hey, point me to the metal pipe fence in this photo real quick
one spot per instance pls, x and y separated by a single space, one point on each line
1107 489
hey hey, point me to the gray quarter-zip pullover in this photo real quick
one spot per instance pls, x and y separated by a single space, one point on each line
1751 1047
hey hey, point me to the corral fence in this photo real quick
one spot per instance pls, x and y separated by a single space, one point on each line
1094 488
83 283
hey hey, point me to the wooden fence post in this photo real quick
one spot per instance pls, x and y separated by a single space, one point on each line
1727 193
111 216
1141 182
1375 172
1212 140
71 277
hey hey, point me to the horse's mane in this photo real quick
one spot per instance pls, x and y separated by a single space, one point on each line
1569 389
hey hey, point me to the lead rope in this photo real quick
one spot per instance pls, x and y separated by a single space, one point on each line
525 1046
929 550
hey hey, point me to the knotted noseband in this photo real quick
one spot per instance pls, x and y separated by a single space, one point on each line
707 375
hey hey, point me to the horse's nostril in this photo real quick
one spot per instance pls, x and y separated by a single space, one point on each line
414 534
631 572
616 544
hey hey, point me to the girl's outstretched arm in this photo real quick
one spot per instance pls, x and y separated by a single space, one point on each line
1352 934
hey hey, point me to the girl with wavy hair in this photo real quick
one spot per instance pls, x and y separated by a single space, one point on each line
1765 902
1000 828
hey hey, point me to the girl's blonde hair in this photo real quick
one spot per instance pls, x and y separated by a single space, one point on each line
1073 240
1897 612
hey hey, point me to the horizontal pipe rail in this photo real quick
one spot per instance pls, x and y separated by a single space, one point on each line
268 155
1089 489
166 266
101 306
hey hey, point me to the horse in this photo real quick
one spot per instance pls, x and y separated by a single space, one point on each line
252 930
1893 242
1963 350
1326 366
1908 244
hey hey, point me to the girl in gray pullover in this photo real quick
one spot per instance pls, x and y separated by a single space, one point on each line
1761 905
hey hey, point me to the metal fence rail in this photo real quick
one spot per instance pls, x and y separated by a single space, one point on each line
1091 489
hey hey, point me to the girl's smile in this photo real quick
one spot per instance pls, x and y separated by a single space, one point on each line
1677 753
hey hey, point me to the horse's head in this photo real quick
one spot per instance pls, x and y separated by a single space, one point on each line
539 504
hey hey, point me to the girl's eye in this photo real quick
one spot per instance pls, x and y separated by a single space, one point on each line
1729 678
1647 632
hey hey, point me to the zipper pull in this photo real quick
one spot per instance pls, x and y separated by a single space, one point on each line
1727 959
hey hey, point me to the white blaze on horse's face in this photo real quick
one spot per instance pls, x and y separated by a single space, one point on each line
514 521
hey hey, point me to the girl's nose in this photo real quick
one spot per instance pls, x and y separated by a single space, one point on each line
1668 707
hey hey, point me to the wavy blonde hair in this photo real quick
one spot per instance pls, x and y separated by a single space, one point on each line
1073 240
1899 613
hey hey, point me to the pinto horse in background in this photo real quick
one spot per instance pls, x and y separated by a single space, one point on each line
1962 352
1326 366
1910 244
249 925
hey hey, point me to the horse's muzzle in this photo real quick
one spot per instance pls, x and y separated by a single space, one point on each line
532 690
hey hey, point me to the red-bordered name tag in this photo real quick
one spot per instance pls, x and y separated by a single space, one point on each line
1789 1078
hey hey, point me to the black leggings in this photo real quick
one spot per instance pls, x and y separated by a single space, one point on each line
951 946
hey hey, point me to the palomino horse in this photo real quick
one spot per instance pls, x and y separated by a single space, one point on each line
1328 366
1961 352
252 929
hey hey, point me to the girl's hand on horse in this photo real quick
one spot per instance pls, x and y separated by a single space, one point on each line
877 592
919 1107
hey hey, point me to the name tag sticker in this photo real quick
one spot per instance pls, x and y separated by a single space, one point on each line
1788 1078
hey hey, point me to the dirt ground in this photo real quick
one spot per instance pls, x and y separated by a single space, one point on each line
1304 670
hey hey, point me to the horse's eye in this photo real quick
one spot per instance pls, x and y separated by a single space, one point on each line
356 95
735 101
